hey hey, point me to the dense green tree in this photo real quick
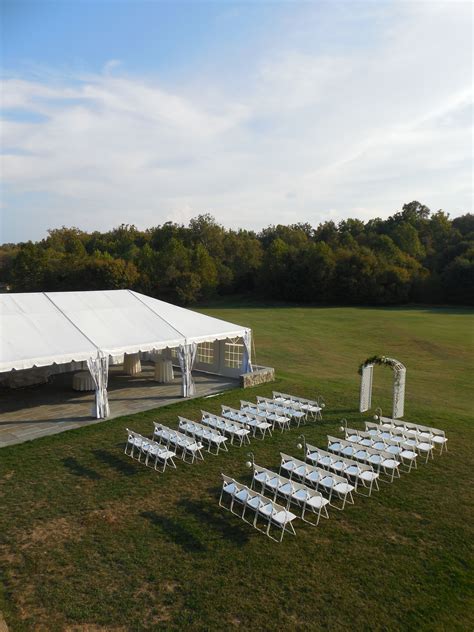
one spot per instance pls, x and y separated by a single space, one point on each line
414 255
458 279
464 224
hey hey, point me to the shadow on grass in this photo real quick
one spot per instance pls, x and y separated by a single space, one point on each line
78 469
118 464
175 531
228 526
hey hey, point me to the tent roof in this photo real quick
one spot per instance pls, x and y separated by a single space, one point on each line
39 329
33 332
193 326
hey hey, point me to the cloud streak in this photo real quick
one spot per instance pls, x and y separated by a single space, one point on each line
314 135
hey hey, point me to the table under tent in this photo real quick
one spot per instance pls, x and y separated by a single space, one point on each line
85 333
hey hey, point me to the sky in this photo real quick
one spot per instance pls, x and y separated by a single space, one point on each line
256 112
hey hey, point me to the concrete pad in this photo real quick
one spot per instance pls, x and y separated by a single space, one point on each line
39 411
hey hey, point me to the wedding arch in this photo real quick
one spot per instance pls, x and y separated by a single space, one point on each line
366 371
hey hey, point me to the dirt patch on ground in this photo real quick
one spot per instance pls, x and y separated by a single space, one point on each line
398 539
61 529
164 615
345 525
109 515
3 624
92 627
50 531
8 557
28 609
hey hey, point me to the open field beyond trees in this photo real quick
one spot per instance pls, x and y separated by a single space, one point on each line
91 540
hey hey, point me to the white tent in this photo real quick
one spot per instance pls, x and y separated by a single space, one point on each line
41 329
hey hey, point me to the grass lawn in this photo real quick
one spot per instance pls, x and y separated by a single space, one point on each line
91 540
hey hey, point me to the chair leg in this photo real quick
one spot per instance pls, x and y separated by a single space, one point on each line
220 498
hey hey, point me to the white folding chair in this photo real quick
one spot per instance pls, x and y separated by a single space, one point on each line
291 413
307 498
314 408
360 473
410 440
267 510
380 460
266 414
225 426
283 399
149 449
434 435
134 442
397 448
200 432
334 486
188 446
247 420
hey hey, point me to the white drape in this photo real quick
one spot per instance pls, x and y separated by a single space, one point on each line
186 358
247 355
399 392
99 370
365 401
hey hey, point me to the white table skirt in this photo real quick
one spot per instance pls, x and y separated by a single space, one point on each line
132 364
83 381
164 371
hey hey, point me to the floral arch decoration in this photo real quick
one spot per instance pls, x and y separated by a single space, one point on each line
366 371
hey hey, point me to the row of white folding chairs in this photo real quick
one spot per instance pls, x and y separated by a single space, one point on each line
381 460
408 440
310 407
397 448
333 485
361 473
307 498
270 512
188 446
270 405
213 438
248 420
153 453
272 416
230 428
434 435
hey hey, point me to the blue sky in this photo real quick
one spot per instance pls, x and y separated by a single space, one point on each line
258 112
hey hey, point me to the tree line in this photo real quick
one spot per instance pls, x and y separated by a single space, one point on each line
413 256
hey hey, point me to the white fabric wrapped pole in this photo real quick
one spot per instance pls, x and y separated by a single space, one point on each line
365 401
186 358
247 355
99 370
399 391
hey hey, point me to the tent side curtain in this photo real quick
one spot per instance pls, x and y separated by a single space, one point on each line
247 356
99 370
187 357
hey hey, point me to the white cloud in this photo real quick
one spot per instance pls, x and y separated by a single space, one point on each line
315 135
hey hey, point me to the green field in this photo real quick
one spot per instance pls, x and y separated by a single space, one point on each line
91 540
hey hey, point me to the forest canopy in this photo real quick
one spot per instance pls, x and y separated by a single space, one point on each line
413 256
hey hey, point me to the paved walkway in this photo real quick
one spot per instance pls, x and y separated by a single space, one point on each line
47 409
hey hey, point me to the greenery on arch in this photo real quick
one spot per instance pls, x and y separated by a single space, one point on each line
379 360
